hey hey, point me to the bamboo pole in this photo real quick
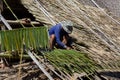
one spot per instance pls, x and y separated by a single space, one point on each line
39 65
8 55
5 22
17 22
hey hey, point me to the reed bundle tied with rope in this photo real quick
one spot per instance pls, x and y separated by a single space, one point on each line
30 37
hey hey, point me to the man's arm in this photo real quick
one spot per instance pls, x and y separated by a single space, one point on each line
57 34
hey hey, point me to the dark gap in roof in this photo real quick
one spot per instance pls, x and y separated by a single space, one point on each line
18 9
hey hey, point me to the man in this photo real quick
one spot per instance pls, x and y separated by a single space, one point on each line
60 34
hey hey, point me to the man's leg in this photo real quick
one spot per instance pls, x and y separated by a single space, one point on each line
52 41
67 40
64 40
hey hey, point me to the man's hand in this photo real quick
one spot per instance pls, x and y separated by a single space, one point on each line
68 48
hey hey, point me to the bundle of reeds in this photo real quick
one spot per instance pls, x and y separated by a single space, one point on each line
32 38
70 61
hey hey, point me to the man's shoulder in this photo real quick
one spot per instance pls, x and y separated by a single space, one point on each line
58 25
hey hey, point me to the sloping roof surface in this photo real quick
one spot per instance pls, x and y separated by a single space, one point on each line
94 28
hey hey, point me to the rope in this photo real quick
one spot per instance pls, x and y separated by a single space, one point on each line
46 13
105 12
66 8
49 19
29 53
14 14
109 17
106 40
9 29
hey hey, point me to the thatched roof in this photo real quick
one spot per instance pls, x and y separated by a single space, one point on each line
90 20
95 33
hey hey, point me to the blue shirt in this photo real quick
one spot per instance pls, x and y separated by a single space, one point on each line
58 32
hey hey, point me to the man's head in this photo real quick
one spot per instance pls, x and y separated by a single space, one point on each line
67 26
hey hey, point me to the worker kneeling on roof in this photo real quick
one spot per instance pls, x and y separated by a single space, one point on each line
59 34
